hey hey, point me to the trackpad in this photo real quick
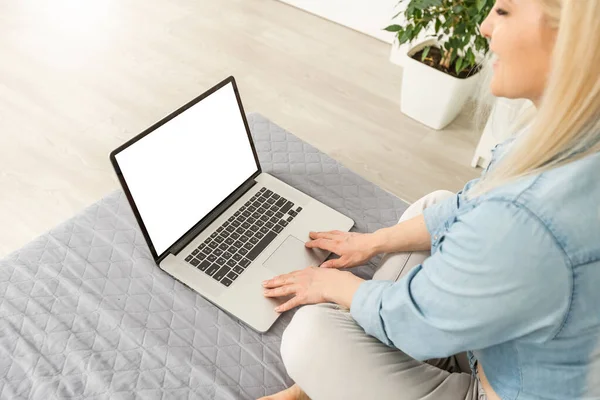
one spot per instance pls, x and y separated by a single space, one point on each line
291 255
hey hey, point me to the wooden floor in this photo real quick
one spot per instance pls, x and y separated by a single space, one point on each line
79 78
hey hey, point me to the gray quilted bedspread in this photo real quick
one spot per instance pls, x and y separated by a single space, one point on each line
85 312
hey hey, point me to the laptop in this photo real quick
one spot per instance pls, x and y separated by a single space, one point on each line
211 217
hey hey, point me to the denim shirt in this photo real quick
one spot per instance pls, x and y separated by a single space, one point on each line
513 278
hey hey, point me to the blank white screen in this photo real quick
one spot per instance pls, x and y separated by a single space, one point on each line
181 171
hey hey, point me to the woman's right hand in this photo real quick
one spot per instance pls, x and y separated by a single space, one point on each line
353 248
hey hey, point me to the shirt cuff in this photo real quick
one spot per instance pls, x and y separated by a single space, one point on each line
365 307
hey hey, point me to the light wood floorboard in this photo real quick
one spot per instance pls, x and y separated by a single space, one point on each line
79 78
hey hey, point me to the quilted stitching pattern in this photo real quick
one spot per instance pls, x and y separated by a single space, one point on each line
85 312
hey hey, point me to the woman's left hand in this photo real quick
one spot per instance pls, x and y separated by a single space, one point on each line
313 285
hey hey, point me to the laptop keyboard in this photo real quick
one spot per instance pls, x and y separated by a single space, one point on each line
235 244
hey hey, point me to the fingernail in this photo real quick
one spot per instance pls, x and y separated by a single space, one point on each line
265 283
277 309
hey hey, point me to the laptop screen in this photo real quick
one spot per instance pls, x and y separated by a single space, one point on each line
180 172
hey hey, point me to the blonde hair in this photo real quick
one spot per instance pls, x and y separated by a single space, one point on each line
566 127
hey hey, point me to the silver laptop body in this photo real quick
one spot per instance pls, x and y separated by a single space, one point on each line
212 219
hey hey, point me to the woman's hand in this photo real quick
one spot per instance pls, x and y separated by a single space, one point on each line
313 285
352 247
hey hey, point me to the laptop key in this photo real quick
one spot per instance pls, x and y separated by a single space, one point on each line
230 228
212 269
220 261
268 193
203 265
213 235
223 246
253 240
246 214
251 208
213 245
274 220
242 208
264 218
240 230
244 262
237 256
227 255
282 223
212 258
275 196
264 230
277 228
259 235
200 256
259 223
236 223
280 202
269 224
207 250
219 239
217 252
298 209
245 225
231 263
220 274
261 210
244 238
202 245
286 207
188 258
260 246
232 275
230 219
237 213
271 200
194 262
248 246
238 244
196 251
269 213
262 190
274 208
292 213
290 218
243 251
235 235
229 240
226 282
238 270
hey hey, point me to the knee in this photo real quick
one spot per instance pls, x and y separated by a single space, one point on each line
428 200
301 338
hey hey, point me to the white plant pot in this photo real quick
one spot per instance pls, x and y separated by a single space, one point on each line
430 96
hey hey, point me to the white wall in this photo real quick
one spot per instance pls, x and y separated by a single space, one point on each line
366 16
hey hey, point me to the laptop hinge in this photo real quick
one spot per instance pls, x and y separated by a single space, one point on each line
195 231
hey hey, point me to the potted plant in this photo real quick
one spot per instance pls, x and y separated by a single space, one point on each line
440 72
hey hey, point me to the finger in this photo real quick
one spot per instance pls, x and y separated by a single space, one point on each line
288 305
279 280
334 263
321 235
280 291
324 244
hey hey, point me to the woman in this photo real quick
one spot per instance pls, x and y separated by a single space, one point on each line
507 270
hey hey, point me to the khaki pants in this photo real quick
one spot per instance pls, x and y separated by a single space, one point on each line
330 357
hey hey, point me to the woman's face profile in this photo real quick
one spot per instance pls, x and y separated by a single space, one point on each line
522 44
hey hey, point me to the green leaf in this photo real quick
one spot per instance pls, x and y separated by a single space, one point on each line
459 65
438 24
425 52
481 4
393 28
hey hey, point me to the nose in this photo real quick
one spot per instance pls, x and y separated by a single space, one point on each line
486 27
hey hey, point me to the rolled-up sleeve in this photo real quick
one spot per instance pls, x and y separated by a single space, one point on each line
498 274
439 213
